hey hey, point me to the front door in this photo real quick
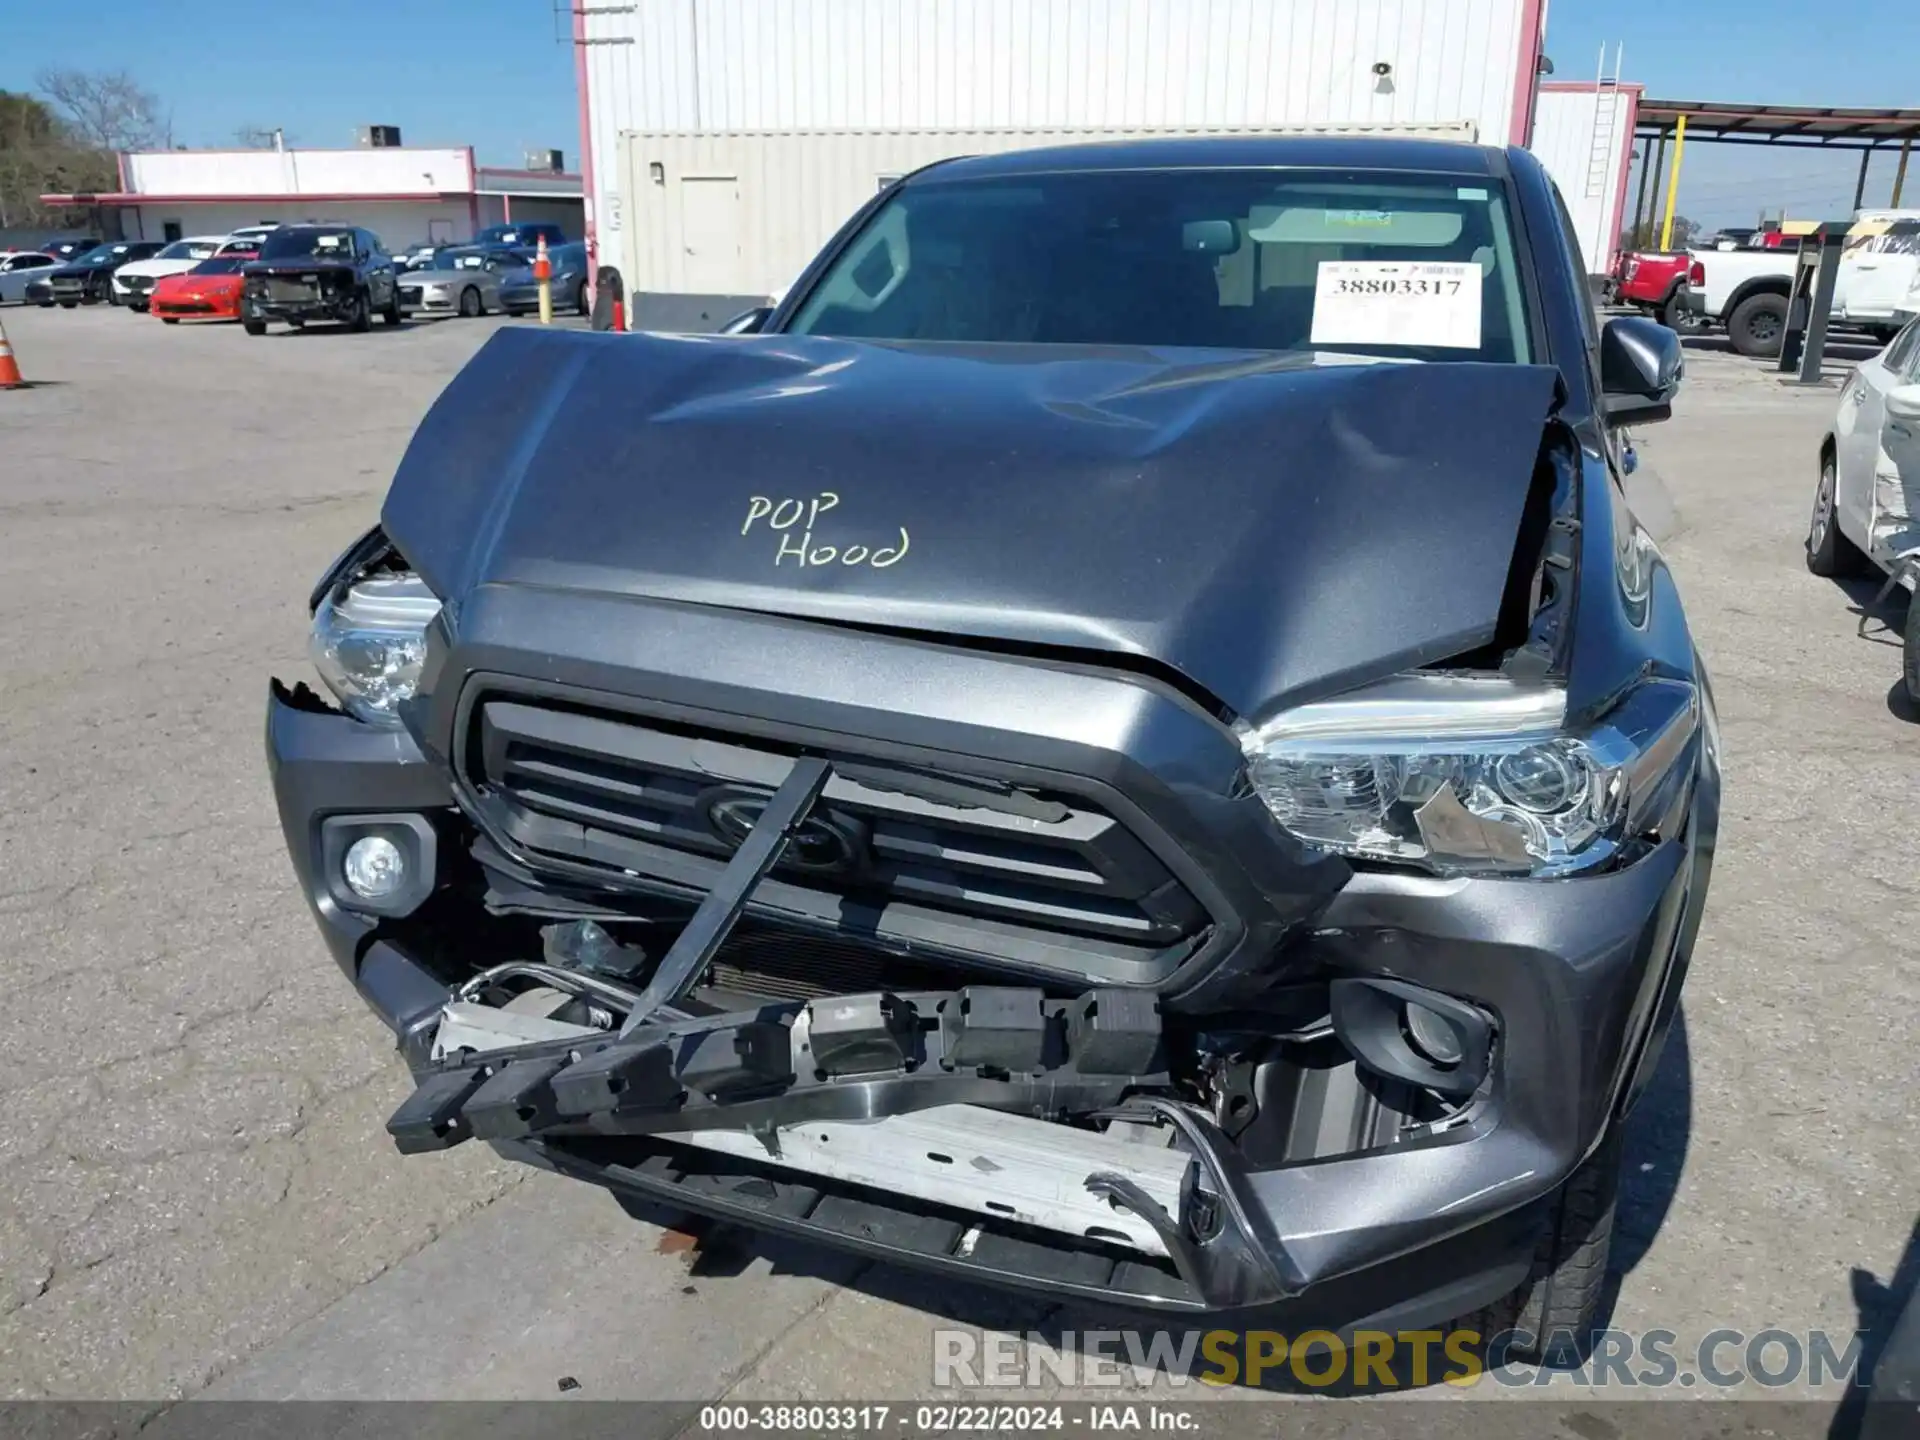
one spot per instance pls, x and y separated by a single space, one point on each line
710 235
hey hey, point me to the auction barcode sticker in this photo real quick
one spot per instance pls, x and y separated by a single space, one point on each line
1392 302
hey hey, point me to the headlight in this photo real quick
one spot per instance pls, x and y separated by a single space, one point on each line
1469 774
370 642
438 289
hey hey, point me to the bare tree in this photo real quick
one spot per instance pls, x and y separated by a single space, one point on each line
108 110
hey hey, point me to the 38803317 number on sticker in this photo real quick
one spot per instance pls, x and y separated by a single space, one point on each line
1391 302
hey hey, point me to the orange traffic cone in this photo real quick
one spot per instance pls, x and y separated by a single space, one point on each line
10 378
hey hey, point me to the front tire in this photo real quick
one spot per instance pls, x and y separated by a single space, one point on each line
1560 1298
1830 553
169 320
253 326
69 304
360 317
470 307
390 313
1758 325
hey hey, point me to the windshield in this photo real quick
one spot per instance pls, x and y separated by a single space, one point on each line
228 264
1408 265
299 244
188 250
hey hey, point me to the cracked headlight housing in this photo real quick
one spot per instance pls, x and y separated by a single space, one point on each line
370 640
1475 774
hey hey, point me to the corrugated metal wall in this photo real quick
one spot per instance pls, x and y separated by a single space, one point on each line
790 192
972 65
1584 136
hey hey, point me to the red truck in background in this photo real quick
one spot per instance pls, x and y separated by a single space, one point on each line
1654 281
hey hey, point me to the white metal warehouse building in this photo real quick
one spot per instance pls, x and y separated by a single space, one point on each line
725 140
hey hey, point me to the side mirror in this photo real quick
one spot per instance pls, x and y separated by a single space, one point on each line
748 322
1641 365
1903 404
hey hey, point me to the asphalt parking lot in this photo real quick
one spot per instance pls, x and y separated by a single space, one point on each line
196 1196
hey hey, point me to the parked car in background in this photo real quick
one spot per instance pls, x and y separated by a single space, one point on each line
1345 822
1747 290
1866 507
1909 306
209 291
528 234
88 279
1656 281
70 247
20 267
460 280
410 257
134 281
319 272
520 292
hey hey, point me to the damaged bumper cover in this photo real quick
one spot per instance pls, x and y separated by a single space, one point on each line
1581 976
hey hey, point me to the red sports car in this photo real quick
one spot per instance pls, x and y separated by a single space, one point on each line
209 291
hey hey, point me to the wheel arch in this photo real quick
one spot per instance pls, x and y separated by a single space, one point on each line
1759 285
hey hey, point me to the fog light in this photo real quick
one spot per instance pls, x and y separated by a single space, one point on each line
374 867
1433 1036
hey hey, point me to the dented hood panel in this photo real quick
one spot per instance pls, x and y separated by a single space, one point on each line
1270 526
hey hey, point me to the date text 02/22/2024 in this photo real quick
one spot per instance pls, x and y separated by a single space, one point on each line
945 1419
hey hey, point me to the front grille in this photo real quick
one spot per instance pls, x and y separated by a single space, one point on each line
592 794
140 284
410 294
292 291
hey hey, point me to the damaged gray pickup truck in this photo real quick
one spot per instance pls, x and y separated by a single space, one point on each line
1121 741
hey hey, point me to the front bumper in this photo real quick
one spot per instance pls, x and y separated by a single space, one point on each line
416 301
1582 975
325 305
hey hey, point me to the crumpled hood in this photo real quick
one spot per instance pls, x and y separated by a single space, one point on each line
1270 526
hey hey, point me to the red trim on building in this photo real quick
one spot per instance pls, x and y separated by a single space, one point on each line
1588 86
493 172
590 210
1527 81
473 197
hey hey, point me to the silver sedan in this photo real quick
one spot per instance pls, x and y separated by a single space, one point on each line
460 280
17 269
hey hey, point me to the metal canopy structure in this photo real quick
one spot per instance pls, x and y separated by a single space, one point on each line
1823 127
1786 127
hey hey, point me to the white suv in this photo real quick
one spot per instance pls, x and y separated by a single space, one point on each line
134 282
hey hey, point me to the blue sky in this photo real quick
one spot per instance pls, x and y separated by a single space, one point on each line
492 74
